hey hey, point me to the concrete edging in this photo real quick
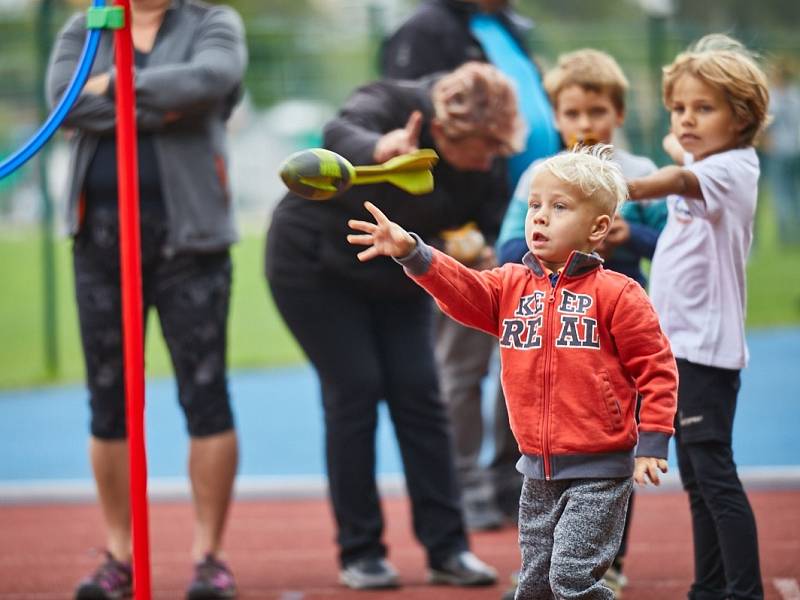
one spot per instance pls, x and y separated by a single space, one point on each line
250 487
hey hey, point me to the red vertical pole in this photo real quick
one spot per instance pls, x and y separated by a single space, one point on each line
132 305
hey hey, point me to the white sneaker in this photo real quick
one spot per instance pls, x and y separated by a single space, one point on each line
369 574
463 568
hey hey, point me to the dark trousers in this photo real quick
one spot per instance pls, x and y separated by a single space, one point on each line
506 480
191 294
364 350
463 355
723 525
623 545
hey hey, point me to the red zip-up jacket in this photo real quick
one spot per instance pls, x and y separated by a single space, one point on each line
574 356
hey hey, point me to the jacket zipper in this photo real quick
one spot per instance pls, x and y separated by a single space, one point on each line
547 358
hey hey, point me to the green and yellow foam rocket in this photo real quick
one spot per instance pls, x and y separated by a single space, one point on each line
319 174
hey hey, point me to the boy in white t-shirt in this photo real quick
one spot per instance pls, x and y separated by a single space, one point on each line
717 96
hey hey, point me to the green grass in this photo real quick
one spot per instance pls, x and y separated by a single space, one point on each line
258 337
773 275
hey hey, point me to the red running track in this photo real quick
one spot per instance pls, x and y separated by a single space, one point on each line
284 550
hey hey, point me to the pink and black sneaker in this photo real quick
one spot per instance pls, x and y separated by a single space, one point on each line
111 581
213 580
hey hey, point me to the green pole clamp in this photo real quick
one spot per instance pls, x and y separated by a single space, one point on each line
105 17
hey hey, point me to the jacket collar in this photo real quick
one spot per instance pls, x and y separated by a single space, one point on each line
521 25
578 264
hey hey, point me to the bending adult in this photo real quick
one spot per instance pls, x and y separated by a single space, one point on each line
440 35
190 58
367 329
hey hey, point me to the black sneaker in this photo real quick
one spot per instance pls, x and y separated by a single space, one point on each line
213 580
369 574
464 569
111 581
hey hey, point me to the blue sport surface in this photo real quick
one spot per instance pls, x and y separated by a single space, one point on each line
43 432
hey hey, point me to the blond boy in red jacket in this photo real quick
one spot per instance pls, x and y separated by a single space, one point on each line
577 344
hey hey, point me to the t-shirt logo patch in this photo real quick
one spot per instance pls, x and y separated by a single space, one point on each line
682 212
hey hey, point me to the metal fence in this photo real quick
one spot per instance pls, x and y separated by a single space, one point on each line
302 66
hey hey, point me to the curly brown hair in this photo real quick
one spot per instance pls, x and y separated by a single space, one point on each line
477 99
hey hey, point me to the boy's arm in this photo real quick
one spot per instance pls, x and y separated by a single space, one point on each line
665 181
673 148
471 297
645 353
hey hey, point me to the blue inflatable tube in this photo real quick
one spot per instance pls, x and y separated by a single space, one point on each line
49 127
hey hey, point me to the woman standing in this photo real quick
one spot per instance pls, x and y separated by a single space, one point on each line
190 58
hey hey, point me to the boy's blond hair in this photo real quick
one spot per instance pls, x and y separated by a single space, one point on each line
591 170
592 70
726 65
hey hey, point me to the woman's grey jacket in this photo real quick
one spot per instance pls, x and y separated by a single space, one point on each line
184 97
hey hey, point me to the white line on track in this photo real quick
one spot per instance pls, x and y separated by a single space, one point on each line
788 589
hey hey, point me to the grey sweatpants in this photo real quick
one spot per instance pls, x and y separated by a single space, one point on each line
569 532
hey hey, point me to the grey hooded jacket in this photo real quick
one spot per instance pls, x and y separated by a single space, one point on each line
184 97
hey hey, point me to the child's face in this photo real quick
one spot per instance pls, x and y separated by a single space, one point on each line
583 115
702 120
561 220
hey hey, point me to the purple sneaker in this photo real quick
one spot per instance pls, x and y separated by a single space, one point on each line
212 581
111 581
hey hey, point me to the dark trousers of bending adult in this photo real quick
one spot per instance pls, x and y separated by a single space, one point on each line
506 480
723 525
463 357
365 349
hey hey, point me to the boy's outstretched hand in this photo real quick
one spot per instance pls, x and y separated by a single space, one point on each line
648 468
383 237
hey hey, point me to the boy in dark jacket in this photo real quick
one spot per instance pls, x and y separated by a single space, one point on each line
577 344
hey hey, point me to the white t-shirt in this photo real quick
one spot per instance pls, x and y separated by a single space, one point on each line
697 280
